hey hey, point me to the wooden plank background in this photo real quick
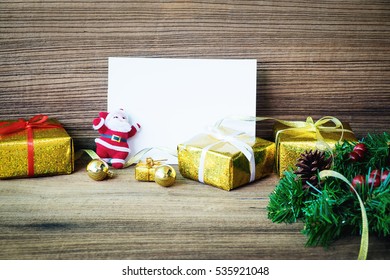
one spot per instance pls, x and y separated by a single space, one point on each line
315 58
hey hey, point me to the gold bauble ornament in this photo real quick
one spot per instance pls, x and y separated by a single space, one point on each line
165 175
98 170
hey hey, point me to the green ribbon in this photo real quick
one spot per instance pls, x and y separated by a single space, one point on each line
137 157
364 238
134 159
91 153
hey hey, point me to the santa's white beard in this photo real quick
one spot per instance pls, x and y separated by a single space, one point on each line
116 125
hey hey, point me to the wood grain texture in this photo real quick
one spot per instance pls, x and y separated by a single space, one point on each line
314 58
50 218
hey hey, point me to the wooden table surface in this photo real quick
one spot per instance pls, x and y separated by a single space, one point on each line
73 217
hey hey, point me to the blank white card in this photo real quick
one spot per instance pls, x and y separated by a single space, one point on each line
175 99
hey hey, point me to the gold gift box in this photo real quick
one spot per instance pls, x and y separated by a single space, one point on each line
292 143
53 152
145 171
225 166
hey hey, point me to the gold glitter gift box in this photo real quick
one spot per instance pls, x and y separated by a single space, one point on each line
291 142
218 162
144 171
37 147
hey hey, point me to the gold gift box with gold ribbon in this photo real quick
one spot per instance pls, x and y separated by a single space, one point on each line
294 138
37 147
145 171
218 161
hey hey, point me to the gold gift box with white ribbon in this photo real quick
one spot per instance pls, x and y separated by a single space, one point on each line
225 158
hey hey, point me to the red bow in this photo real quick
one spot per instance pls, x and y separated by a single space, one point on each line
36 122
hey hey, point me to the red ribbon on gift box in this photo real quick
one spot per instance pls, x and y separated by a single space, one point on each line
36 122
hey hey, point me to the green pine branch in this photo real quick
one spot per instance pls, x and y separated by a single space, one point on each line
322 220
287 200
331 209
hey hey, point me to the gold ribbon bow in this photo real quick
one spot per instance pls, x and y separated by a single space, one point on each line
300 126
150 162
327 124
310 126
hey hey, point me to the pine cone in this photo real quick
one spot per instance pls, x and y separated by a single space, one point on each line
309 164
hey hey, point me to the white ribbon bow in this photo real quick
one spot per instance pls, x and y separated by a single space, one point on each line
233 139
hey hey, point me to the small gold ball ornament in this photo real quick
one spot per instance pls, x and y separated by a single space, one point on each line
98 170
165 175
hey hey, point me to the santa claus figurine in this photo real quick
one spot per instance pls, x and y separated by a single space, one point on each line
114 129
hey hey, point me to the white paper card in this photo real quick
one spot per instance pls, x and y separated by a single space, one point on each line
175 99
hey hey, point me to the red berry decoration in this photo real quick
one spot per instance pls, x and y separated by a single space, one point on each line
360 147
375 178
358 180
385 174
354 156
358 152
375 173
374 181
